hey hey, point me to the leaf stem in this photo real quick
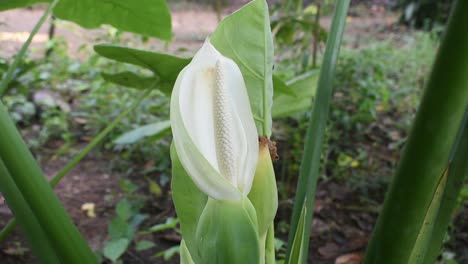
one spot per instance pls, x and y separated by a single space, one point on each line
270 245
309 172
70 165
19 56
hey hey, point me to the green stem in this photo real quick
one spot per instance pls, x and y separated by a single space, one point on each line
262 248
457 173
270 245
19 56
38 240
427 152
38 194
7 229
309 173
70 165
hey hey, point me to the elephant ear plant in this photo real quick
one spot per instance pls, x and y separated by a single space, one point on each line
223 181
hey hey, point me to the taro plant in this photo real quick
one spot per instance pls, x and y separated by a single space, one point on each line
222 107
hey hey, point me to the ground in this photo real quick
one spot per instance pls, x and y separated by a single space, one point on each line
342 223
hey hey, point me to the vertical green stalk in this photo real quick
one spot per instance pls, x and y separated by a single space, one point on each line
9 74
70 165
28 177
270 245
427 152
457 173
38 240
309 173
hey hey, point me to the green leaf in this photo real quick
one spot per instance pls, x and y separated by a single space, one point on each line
37 238
115 248
189 202
280 87
298 241
168 253
156 130
131 79
38 194
124 209
119 228
315 135
427 151
245 37
144 245
169 224
185 257
264 193
154 188
421 244
165 67
304 87
457 174
146 17
11 4
227 233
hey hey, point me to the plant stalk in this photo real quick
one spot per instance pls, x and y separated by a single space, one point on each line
309 172
427 153
19 56
38 240
28 177
270 245
71 164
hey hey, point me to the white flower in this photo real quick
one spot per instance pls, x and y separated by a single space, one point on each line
213 127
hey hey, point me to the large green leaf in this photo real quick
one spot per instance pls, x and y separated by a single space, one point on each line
457 174
245 37
426 155
227 233
155 130
189 202
131 79
303 87
165 67
12 4
146 17
280 87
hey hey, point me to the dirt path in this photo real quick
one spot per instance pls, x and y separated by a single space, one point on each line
190 26
190 29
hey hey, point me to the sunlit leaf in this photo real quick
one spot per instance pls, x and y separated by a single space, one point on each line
115 248
131 79
165 67
144 245
146 17
245 37
156 130
304 87
189 202
280 87
11 4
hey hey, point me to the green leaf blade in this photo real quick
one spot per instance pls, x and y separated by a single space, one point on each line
165 67
156 130
146 17
245 37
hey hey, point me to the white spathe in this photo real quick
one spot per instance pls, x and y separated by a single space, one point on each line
213 127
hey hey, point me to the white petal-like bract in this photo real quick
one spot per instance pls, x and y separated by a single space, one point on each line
213 127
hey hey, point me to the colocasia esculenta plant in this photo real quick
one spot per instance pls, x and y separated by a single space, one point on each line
223 180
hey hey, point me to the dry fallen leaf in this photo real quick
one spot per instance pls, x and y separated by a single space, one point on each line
89 209
352 258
